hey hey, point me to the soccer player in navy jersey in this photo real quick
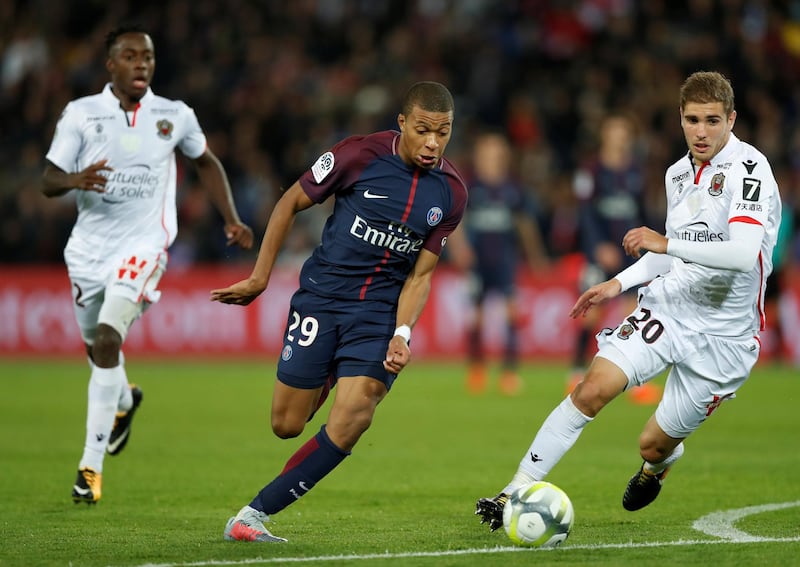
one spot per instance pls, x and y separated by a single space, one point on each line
361 291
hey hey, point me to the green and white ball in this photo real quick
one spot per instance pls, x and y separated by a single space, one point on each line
538 515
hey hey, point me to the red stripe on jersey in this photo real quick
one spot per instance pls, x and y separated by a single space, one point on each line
760 302
411 194
135 110
747 220
700 171
410 203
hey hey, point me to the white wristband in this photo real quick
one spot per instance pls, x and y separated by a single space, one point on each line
403 331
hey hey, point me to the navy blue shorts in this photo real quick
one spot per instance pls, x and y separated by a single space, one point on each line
329 336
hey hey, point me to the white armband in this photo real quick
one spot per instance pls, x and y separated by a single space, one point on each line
403 331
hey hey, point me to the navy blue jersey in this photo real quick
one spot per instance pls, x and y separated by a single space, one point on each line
491 227
610 203
385 213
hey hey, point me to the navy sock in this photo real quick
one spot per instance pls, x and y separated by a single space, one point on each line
316 458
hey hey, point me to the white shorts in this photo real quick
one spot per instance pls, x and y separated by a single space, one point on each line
114 291
706 369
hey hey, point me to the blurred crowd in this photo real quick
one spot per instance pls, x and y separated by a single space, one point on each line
274 84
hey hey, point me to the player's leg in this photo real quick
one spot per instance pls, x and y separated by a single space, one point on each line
510 381
477 376
132 290
587 326
713 369
660 452
604 381
293 407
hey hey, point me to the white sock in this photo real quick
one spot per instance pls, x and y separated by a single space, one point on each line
104 391
556 436
656 468
125 401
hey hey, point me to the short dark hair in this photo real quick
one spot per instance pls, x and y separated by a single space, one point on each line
708 86
428 95
113 35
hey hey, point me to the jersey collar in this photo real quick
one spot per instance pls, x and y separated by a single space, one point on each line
110 97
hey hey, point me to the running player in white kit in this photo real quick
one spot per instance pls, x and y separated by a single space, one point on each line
699 315
117 150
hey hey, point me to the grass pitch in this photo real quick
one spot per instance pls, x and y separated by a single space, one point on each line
201 448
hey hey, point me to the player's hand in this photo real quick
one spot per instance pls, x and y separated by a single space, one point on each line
397 355
90 179
637 241
595 295
240 293
239 234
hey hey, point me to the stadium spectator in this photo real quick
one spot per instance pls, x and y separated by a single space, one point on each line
701 313
362 290
116 150
500 220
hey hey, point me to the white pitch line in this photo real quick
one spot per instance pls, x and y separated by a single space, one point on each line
720 524
716 524
457 552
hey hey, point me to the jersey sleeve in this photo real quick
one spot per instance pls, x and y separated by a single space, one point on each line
753 192
66 143
193 143
335 169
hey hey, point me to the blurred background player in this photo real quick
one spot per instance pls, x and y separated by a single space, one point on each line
610 190
499 222
116 149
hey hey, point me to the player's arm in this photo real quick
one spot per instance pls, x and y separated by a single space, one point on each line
645 269
738 253
280 222
212 176
412 301
57 182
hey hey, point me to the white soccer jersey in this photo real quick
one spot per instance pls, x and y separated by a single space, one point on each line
737 185
138 205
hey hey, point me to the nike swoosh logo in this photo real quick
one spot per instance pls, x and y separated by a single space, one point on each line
105 200
81 491
368 195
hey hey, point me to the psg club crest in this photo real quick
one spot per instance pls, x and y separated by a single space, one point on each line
435 215
286 353
164 129
717 182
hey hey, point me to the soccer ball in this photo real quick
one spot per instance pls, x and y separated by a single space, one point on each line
538 515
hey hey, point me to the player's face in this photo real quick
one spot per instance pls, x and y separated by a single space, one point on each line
424 136
131 63
706 128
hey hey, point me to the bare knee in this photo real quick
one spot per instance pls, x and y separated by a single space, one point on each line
286 428
603 382
107 343
654 444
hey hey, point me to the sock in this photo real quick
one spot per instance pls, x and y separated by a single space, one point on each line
303 470
125 401
657 468
104 388
556 436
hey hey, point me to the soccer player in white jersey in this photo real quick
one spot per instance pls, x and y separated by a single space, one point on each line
116 149
699 315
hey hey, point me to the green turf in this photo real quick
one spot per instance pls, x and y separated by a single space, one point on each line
201 448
